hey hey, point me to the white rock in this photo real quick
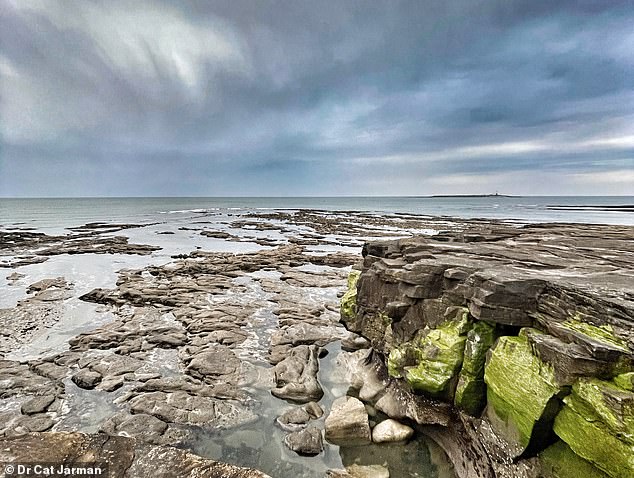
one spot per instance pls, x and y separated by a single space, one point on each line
391 431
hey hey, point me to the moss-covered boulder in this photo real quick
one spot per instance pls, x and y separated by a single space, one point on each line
471 389
349 300
597 422
559 461
523 396
439 357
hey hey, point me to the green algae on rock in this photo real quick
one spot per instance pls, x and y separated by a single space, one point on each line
470 395
625 381
470 392
603 333
522 393
614 406
559 461
349 299
592 439
440 355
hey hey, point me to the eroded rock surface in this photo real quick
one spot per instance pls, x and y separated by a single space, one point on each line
193 338
296 375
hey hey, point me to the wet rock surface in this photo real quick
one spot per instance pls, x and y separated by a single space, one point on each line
19 248
527 329
296 376
40 310
120 456
192 342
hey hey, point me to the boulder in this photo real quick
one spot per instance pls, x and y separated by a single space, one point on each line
391 431
296 375
49 370
218 361
314 410
37 404
87 379
293 419
439 357
559 461
183 408
399 403
347 423
114 365
34 423
145 427
305 442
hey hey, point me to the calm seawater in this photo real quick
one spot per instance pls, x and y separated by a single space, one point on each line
64 212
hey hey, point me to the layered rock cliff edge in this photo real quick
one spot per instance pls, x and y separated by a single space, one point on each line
521 338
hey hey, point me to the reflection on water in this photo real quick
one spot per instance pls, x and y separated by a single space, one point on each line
85 410
259 444
420 457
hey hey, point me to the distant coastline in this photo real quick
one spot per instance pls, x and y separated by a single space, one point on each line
496 195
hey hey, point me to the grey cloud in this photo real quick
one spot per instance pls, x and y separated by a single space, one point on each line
240 97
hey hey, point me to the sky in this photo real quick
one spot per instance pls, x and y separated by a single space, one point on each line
316 98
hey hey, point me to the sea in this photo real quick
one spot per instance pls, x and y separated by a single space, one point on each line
53 213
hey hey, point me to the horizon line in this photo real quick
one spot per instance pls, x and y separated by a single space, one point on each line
413 196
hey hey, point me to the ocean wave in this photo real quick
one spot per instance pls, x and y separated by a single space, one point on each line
181 211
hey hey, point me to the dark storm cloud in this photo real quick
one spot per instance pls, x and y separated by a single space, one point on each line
331 97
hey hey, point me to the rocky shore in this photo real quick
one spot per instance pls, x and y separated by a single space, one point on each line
512 347
509 346
216 352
